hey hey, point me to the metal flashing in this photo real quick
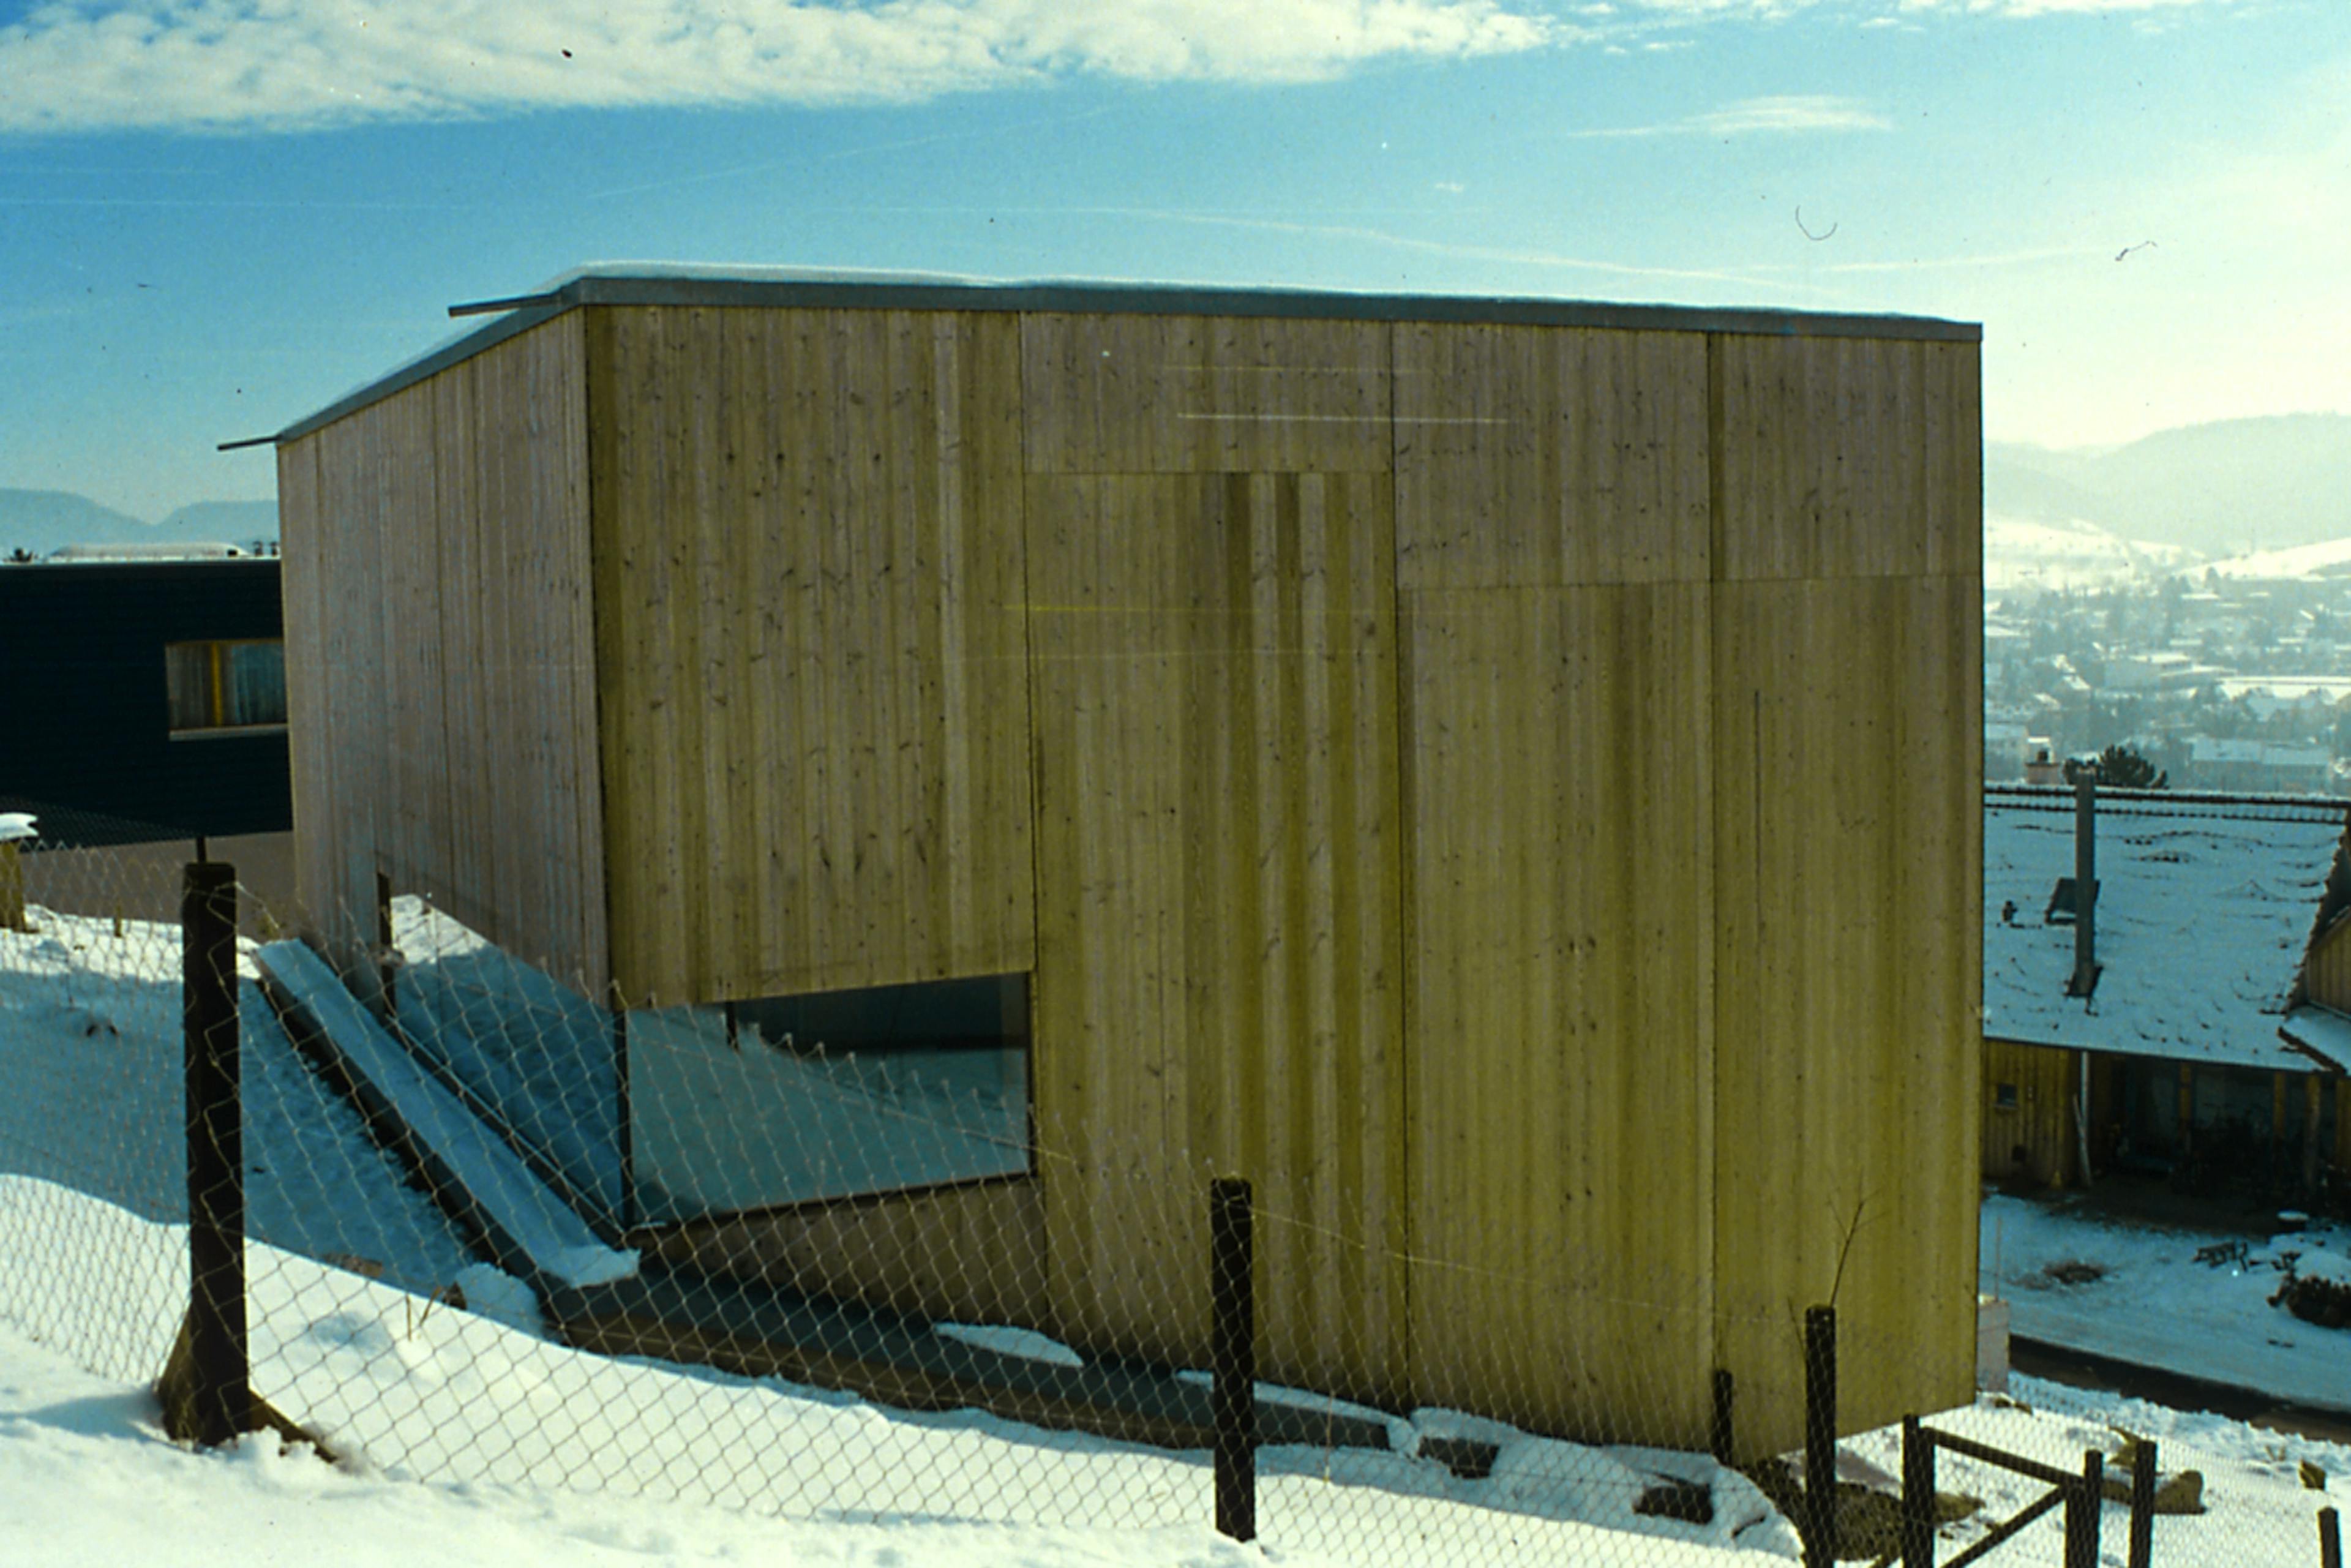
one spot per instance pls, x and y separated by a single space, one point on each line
432 363
782 288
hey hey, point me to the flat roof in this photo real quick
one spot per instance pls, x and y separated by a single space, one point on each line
649 283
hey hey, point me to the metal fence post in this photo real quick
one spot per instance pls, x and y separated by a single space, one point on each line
1820 1530
1918 1496
221 1399
2142 1505
2330 1539
1233 1348
2085 1502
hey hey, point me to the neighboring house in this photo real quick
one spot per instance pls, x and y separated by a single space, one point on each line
1499 774
2259 765
2206 906
2319 1022
146 706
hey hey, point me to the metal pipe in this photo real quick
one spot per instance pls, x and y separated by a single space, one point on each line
2085 880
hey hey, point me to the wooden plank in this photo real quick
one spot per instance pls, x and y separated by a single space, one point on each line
449 656
810 624
2033 1141
1530 455
2326 975
1175 394
1848 841
413 716
1847 456
350 495
1217 969
1560 1112
307 546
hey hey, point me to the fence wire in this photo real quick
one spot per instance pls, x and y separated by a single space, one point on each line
764 1257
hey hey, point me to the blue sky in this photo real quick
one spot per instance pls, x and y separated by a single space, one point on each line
216 215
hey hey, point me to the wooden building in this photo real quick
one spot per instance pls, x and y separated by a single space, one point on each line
1501 774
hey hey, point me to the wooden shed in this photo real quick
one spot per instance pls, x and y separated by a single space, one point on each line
1501 774
2205 1044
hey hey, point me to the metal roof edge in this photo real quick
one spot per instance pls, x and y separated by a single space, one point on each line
428 365
917 292
922 292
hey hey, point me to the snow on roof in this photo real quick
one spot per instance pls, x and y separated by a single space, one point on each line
2321 1032
150 549
2205 908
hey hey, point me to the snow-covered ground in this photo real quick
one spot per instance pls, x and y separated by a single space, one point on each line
352 1334
88 1481
90 1063
86 1478
2259 1508
465 1429
2154 1304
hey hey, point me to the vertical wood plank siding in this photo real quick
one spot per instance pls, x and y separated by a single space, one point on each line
1848 860
1551 547
1217 978
1211 555
2326 975
441 692
2046 1080
812 635
1509 792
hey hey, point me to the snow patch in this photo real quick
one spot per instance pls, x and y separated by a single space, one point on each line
1027 1343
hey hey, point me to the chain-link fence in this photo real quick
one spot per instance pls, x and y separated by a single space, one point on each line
818 1258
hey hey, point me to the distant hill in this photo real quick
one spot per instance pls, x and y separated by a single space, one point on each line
2219 489
40 521
2021 553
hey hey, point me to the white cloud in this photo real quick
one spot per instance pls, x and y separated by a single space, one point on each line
1768 10
82 65
1786 115
95 65
1798 112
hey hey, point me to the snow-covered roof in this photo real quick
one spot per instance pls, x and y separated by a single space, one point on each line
2205 907
149 549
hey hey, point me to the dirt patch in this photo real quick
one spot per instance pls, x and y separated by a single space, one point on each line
1869 1522
2074 1271
2320 1301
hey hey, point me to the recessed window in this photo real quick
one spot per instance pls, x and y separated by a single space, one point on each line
755 1104
2003 1097
225 684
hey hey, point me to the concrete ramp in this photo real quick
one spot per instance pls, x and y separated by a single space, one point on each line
483 1185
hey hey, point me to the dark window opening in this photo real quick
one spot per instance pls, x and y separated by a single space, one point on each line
225 684
2003 1097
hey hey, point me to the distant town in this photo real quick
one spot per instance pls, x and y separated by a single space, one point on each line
2227 682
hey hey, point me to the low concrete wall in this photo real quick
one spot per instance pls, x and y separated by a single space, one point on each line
1991 1344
